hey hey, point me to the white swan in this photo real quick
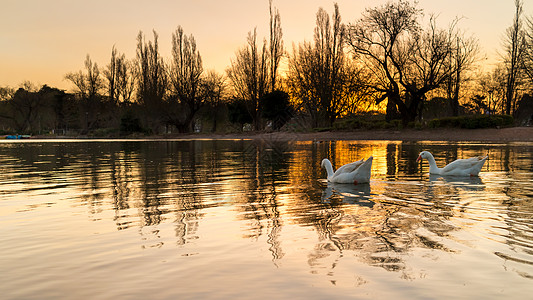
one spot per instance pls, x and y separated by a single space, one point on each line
356 172
460 167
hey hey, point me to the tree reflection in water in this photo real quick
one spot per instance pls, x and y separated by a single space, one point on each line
272 185
411 211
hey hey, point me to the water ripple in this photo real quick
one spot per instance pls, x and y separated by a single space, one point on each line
223 217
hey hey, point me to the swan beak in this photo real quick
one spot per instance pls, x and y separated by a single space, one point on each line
419 158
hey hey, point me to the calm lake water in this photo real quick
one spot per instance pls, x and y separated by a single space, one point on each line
240 219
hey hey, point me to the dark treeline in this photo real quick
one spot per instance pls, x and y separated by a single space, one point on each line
391 61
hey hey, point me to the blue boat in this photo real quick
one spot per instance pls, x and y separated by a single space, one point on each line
17 137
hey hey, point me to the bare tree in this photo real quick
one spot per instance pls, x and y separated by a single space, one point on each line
427 68
110 74
152 80
248 74
94 80
152 73
319 74
492 85
185 76
528 53
275 46
214 92
329 43
25 107
125 78
464 54
6 93
301 79
409 61
515 46
90 83
254 71
78 79
378 39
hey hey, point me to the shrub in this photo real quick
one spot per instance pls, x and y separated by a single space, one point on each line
396 124
238 113
473 121
130 124
276 107
6 132
105 132
366 122
415 125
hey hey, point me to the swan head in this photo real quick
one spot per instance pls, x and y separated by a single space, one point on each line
324 162
423 155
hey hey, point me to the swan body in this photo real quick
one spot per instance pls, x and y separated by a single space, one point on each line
356 172
459 167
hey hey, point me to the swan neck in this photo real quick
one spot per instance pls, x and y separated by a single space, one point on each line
329 168
433 169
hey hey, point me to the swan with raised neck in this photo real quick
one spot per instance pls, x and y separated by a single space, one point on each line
460 167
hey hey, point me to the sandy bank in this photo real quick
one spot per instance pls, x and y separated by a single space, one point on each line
513 134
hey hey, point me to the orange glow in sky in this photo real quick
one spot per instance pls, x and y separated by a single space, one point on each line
41 41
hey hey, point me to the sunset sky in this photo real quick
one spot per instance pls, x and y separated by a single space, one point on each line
41 41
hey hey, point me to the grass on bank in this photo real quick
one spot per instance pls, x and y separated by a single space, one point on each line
356 122
466 122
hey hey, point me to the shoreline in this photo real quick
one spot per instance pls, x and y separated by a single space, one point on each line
503 135
513 134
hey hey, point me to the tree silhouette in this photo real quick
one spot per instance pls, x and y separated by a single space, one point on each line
126 79
214 92
152 84
29 111
319 74
395 59
409 61
276 107
248 74
528 55
275 46
464 53
515 47
90 83
238 112
253 72
111 75
185 75
378 38
89 86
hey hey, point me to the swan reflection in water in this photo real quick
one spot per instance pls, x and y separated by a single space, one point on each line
470 183
347 193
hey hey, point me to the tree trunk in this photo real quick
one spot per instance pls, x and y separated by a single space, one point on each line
455 107
392 111
455 97
185 126
257 118
214 128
